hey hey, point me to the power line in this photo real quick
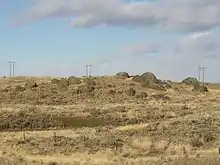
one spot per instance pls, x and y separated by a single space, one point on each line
11 68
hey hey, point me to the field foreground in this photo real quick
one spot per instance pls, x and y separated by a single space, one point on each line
107 120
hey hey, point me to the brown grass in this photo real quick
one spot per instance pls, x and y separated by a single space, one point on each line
59 126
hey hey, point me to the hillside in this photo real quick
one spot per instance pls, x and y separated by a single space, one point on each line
108 120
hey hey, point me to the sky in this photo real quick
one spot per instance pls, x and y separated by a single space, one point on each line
170 38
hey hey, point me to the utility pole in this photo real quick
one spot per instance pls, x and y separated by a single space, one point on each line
202 74
88 70
11 68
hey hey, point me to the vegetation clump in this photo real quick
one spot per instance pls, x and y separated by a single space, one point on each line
30 84
89 81
142 95
160 97
55 81
131 92
84 88
63 83
200 88
19 88
74 80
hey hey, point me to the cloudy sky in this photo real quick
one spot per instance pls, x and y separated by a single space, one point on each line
170 38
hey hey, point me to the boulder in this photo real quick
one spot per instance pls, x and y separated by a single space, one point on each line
148 76
123 74
191 81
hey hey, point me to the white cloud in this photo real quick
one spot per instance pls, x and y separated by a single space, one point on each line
174 15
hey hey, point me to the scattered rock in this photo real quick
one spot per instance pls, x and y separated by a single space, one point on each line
74 80
30 84
166 84
142 95
123 74
84 88
160 97
6 89
147 84
111 92
200 88
157 86
191 81
131 92
137 78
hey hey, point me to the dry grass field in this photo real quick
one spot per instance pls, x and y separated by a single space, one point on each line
109 120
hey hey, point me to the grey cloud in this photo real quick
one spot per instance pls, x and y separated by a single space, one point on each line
174 15
200 45
142 48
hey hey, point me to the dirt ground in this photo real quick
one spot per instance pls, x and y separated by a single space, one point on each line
107 120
